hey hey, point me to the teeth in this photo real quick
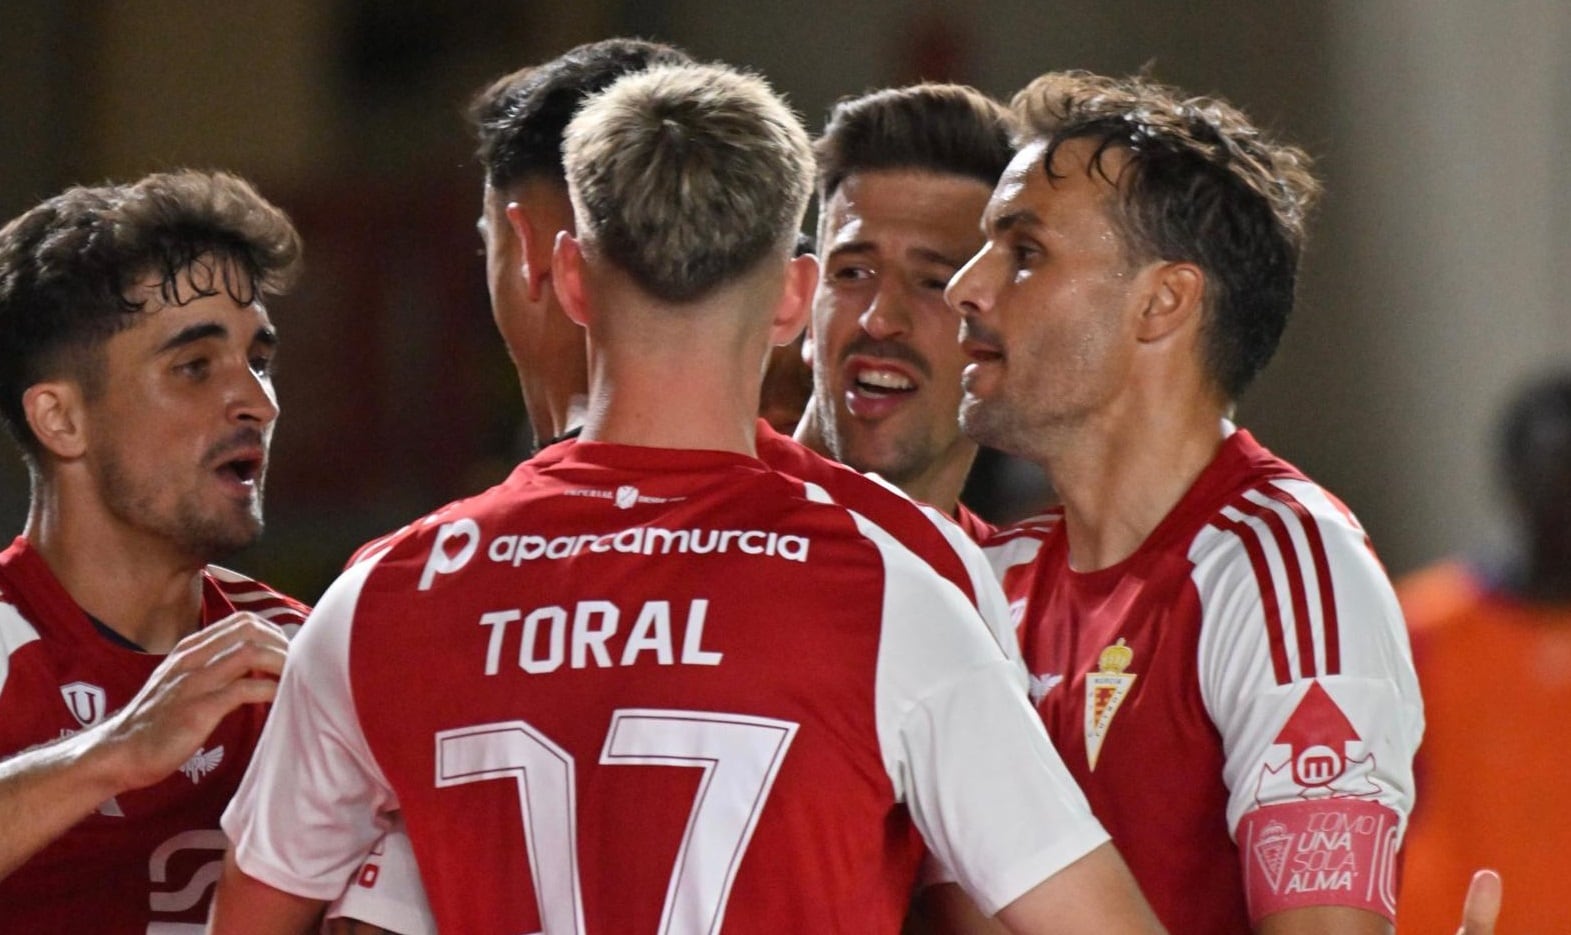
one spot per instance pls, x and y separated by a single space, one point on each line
885 380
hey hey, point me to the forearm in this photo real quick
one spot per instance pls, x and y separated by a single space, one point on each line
244 905
49 788
1324 920
947 910
1095 894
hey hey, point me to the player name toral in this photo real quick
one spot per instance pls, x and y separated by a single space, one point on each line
599 634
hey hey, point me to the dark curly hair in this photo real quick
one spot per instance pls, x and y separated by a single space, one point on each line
67 268
1201 185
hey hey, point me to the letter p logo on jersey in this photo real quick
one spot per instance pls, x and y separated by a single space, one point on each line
454 546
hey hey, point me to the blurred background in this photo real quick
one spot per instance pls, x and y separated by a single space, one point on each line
1437 278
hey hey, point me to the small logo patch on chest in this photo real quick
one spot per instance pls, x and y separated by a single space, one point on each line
85 701
1042 684
202 762
1106 690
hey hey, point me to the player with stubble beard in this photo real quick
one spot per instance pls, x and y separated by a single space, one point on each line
903 176
753 652
136 363
1213 645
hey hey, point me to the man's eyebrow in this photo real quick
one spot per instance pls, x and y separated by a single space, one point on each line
850 246
1004 223
193 333
929 255
266 336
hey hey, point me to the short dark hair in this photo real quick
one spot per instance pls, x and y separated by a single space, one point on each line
944 128
1201 185
67 268
519 118
687 176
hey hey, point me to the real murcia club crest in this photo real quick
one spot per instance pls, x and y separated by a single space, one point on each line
1271 849
1105 691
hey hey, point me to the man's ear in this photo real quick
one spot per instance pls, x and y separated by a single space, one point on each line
57 413
567 269
535 246
1176 294
796 301
808 346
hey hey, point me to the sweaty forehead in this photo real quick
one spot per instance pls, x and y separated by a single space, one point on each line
910 204
1028 194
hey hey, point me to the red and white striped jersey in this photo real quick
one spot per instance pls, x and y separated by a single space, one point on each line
1237 698
949 546
146 861
637 690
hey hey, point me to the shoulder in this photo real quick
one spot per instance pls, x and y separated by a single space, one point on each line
418 533
1019 543
977 528
255 597
15 632
1284 571
1038 527
387 542
1284 524
19 603
933 537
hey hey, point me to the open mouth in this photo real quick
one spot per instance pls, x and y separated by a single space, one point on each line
881 382
244 469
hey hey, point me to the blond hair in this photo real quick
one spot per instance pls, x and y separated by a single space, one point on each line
686 176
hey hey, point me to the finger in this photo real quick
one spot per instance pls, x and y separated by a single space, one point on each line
214 637
192 679
250 692
1482 906
242 659
200 647
246 691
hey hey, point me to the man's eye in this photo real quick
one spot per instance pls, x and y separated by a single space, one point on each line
851 274
196 367
262 366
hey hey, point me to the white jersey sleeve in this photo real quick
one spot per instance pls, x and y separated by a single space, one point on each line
1292 595
990 600
387 891
1306 671
313 802
961 745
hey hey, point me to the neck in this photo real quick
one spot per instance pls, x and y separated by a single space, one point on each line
675 381
939 485
554 410
810 432
556 392
133 582
1118 478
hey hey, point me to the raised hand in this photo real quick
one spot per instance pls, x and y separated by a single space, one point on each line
208 674
1482 906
